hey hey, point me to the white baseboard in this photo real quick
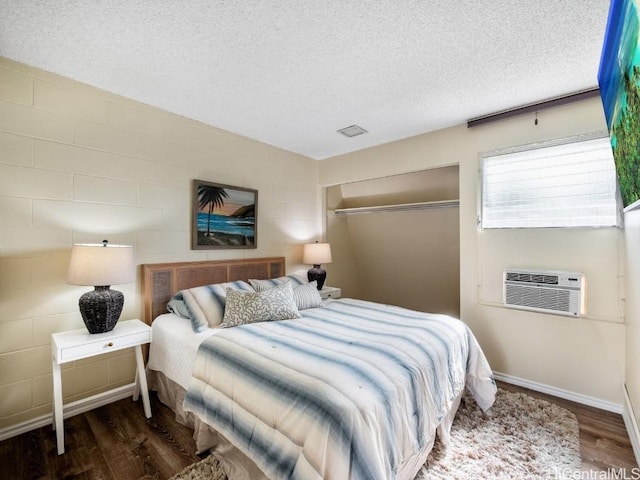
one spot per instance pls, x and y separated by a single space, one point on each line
632 425
70 410
558 392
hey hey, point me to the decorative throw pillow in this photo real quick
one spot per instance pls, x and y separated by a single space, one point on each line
297 278
249 307
204 306
305 295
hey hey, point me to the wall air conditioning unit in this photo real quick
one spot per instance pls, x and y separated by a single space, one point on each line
561 293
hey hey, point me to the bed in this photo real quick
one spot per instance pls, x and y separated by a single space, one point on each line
346 389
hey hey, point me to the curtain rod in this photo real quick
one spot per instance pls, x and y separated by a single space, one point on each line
397 208
534 107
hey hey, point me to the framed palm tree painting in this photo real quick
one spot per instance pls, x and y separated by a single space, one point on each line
223 216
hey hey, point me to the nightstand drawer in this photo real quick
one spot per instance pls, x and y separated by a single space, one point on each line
102 346
77 344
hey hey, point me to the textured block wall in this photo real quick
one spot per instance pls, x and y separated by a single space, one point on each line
78 165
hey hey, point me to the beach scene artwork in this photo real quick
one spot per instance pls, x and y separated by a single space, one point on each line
223 216
619 82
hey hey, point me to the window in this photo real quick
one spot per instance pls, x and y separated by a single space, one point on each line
561 184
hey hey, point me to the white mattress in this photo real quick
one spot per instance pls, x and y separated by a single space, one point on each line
174 346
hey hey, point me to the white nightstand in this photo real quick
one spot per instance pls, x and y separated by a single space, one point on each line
77 344
330 292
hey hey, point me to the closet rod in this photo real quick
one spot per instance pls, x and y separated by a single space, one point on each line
397 208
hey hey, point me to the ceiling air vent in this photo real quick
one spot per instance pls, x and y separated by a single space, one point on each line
352 131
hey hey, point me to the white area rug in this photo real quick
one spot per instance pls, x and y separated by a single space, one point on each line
520 438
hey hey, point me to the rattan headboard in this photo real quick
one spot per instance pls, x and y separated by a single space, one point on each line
161 280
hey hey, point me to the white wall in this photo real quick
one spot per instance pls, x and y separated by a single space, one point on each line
584 355
79 165
632 318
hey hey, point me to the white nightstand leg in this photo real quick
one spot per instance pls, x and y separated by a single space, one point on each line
58 420
141 380
136 385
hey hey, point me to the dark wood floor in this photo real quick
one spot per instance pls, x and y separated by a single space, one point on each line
113 442
116 442
604 442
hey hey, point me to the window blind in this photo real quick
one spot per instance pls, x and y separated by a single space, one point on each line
559 185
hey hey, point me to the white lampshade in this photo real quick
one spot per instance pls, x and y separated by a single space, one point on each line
316 253
101 264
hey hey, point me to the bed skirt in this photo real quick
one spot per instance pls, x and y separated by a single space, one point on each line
235 464
238 466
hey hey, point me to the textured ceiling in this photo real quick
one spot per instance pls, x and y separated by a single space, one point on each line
291 72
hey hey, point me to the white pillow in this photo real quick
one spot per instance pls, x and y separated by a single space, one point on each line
205 305
306 295
295 279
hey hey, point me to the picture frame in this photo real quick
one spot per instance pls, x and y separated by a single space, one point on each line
223 216
619 82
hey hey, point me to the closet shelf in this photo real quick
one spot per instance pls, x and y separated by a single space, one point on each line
401 207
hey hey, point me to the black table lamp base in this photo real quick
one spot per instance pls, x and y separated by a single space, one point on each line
318 274
101 309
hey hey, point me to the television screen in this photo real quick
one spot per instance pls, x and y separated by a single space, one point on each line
619 82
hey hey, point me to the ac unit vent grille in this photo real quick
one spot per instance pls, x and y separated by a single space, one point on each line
532 278
557 292
545 298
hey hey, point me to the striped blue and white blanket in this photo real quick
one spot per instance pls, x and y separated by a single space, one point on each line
352 390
